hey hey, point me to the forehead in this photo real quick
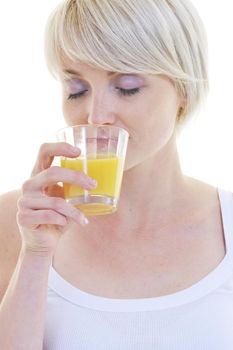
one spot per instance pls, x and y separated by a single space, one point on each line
80 68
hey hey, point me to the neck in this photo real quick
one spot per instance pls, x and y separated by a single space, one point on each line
150 194
154 185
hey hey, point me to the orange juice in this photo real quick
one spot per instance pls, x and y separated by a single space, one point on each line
108 174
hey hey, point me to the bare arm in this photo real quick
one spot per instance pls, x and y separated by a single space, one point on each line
42 217
23 284
22 310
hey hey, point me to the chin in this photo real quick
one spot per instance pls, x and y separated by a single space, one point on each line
132 163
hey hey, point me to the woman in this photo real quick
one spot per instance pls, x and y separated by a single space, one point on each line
158 273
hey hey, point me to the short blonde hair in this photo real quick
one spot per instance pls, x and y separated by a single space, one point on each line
144 36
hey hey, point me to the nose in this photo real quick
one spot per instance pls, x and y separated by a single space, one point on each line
101 117
101 111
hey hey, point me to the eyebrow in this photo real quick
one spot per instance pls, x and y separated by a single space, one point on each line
73 72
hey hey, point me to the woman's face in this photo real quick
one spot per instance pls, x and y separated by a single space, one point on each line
145 105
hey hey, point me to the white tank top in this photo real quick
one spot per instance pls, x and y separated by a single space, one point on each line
197 318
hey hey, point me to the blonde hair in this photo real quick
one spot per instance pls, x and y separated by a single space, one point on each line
145 36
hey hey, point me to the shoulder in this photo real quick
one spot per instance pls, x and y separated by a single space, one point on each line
10 239
8 211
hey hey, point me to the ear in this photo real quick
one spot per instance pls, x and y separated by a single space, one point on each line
180 114
182 110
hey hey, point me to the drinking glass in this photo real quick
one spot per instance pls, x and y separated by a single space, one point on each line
103 151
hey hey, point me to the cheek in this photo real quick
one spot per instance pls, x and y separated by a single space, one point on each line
159 117
65 113
154 126
71 113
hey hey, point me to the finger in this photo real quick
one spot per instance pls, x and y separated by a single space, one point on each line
58 205
48 151
56 174
32 219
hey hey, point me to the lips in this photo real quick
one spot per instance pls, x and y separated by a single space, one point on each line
103 134
102 145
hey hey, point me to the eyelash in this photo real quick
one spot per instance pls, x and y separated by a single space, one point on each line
124 92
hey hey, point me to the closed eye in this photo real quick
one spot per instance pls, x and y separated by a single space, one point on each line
124 92
128 92
77 94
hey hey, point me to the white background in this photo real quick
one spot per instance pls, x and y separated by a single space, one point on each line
30 106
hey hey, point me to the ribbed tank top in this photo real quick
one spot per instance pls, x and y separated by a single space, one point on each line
197 318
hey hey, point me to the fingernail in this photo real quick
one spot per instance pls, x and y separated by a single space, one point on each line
75 150
92 182
85 221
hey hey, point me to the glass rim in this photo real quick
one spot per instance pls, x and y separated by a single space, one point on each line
91 126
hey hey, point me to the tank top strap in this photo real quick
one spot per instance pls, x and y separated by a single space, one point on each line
226 203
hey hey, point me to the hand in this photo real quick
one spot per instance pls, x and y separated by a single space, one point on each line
43 214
